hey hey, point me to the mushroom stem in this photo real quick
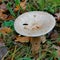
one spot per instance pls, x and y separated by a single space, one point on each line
35 42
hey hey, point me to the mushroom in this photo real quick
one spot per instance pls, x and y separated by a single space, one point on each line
34 25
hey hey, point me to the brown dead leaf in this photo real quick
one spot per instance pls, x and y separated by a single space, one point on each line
58 26
56 47
1 40
22 39
5 30
58 43
16 8
1 10
57 16
5 16
22 4
54 35
3 13
43 39
3 6
9 17
58 51
0 0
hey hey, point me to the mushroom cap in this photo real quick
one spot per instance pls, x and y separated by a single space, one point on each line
34 23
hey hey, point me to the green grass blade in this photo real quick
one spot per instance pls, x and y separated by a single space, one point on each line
17 2
10 9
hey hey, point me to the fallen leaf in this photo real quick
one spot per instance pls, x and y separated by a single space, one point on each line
5 30
57 16
10 17
54 35
58 43
43 39
58 27
56 47
0 0
22 39
22 4
16 8
3 6
3 13
5 16
1 40
1 10
58 51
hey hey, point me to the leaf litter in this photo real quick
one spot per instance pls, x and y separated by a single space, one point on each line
9 10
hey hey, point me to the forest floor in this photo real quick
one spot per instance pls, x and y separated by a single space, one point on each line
12 45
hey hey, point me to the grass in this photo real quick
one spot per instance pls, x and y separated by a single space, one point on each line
10 9
21 51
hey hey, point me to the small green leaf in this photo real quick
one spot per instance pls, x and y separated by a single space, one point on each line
51 58
17 2
8 24
54 53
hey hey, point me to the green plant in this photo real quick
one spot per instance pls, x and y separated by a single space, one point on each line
10 9
17 2
9 23
44 5
22 51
